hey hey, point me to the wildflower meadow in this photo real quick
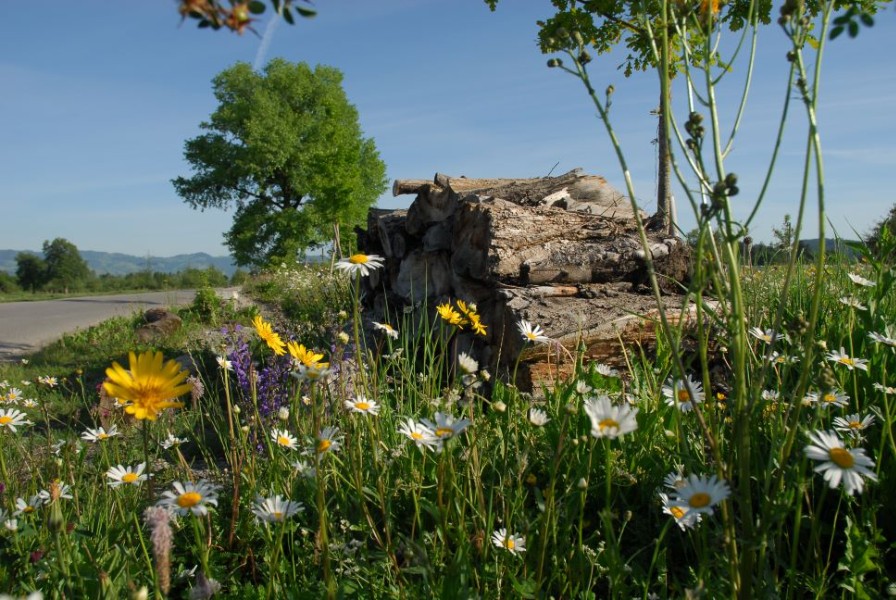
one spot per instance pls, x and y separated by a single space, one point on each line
293 450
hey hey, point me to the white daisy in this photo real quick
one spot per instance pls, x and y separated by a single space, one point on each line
844 359
387 329
29 403
770 395
833 398
445 426
769 336
515 544
606 370
683 393
190 497
364 405
701 494
610 421
852 303
467 363
883 388
224 364
782 359
24 507
276 509
582 388
859 280
538 417
13 395
675 480
122 475
304 469
420 434
532 333
56 490
882 339
311 373
849 465
99 434
48 381
684 517
329 440
284 439
360 263
171 441
10 418
853 424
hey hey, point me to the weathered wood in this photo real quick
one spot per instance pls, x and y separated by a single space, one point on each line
496 239
423 275
391 232
410 186
614 321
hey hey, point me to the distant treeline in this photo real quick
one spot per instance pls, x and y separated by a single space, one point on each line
62 270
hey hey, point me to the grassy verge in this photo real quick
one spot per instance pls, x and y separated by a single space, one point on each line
391 475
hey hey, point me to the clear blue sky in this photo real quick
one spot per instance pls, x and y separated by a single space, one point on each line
99 97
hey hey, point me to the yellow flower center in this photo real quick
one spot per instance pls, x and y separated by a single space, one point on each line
358 259
829 398
607 423
362 405
277 515
699 500
129 477
531 335
189 499
855 425
509 544
444 432
324 445
284 441
677 511
416 436
102 436
841 457
845 360
4 420
683 396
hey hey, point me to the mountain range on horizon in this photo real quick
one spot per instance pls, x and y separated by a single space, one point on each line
115 263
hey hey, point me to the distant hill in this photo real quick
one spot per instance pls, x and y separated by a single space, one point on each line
122 264
832 245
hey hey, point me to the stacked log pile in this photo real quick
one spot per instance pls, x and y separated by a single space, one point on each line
561 252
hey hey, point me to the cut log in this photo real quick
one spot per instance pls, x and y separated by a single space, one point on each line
496 239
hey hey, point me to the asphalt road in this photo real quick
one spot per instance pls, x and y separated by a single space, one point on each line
25 327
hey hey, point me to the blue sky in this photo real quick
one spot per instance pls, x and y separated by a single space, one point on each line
99 97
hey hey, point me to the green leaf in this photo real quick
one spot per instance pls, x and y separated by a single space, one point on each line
853 29
256 7
306 12
835 32
287 16
867 20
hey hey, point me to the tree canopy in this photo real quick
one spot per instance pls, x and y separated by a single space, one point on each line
285 148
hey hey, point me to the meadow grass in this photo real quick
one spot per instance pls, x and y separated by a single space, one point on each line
389 473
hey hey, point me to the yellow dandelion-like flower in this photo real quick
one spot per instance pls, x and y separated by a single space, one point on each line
270 337
306 356
476 324
447 312
149 385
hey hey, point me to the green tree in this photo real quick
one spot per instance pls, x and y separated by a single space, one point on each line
8 283
66 269
285 148
31 271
